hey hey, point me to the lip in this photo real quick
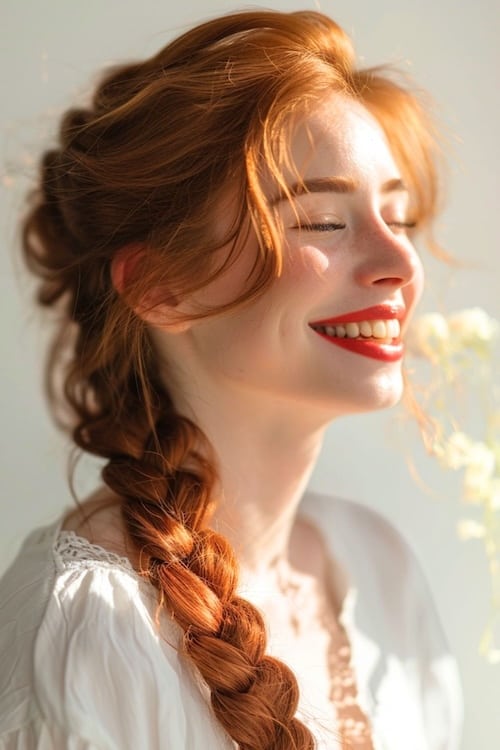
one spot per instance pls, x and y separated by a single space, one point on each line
385 351
384 311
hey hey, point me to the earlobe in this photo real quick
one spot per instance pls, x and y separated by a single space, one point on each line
155 305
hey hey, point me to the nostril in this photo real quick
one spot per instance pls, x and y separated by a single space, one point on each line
389 281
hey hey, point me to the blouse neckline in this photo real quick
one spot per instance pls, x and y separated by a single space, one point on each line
69 547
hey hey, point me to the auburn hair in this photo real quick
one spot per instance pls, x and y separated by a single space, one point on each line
145 165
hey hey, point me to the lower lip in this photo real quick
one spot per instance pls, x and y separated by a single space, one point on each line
369 348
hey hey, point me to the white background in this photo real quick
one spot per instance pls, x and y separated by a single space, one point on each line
51 49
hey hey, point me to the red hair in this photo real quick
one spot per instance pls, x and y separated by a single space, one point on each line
148 162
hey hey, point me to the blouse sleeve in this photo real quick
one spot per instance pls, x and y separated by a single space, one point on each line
40 735
102 676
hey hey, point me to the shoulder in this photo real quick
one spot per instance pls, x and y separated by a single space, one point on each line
395 607
358 531
377 559
88 657
99 662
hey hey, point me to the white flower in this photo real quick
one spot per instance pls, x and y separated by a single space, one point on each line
493 656
456 450
471 328
476 486
467 528
479 471
479 461
494 496
428 336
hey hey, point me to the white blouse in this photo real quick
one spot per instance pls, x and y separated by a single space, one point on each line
83 665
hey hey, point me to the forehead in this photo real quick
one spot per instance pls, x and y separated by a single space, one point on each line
339 137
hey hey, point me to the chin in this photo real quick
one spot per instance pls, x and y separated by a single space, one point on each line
386 392
374 394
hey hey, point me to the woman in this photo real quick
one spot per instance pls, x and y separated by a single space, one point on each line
227 232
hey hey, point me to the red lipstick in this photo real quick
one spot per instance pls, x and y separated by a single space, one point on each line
386 352
388 349
384 311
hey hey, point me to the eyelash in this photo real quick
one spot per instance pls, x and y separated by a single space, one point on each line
402 224
321 227
331 226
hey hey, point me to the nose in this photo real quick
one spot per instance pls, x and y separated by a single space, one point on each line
386 258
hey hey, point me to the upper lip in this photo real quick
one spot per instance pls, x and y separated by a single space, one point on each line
383 311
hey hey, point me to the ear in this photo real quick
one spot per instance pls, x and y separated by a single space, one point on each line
156 307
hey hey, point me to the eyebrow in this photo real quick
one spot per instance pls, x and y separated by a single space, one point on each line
335 185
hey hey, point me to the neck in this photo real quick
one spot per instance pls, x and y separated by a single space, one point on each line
266 451
262 480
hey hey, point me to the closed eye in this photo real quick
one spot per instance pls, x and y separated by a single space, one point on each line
327 226
402 224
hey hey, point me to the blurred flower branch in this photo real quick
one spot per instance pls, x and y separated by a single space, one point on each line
462 404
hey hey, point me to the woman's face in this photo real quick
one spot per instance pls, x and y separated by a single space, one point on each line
326 332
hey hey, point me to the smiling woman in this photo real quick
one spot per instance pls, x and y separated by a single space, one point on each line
226 232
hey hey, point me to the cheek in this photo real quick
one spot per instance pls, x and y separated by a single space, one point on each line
233 275
307 261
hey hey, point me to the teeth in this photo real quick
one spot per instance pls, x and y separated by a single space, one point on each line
377 329
352 330
393 328
365 328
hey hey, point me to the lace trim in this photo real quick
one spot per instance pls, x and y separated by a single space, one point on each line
71 548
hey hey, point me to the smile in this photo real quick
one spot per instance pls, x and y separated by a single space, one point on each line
363 333
376 329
